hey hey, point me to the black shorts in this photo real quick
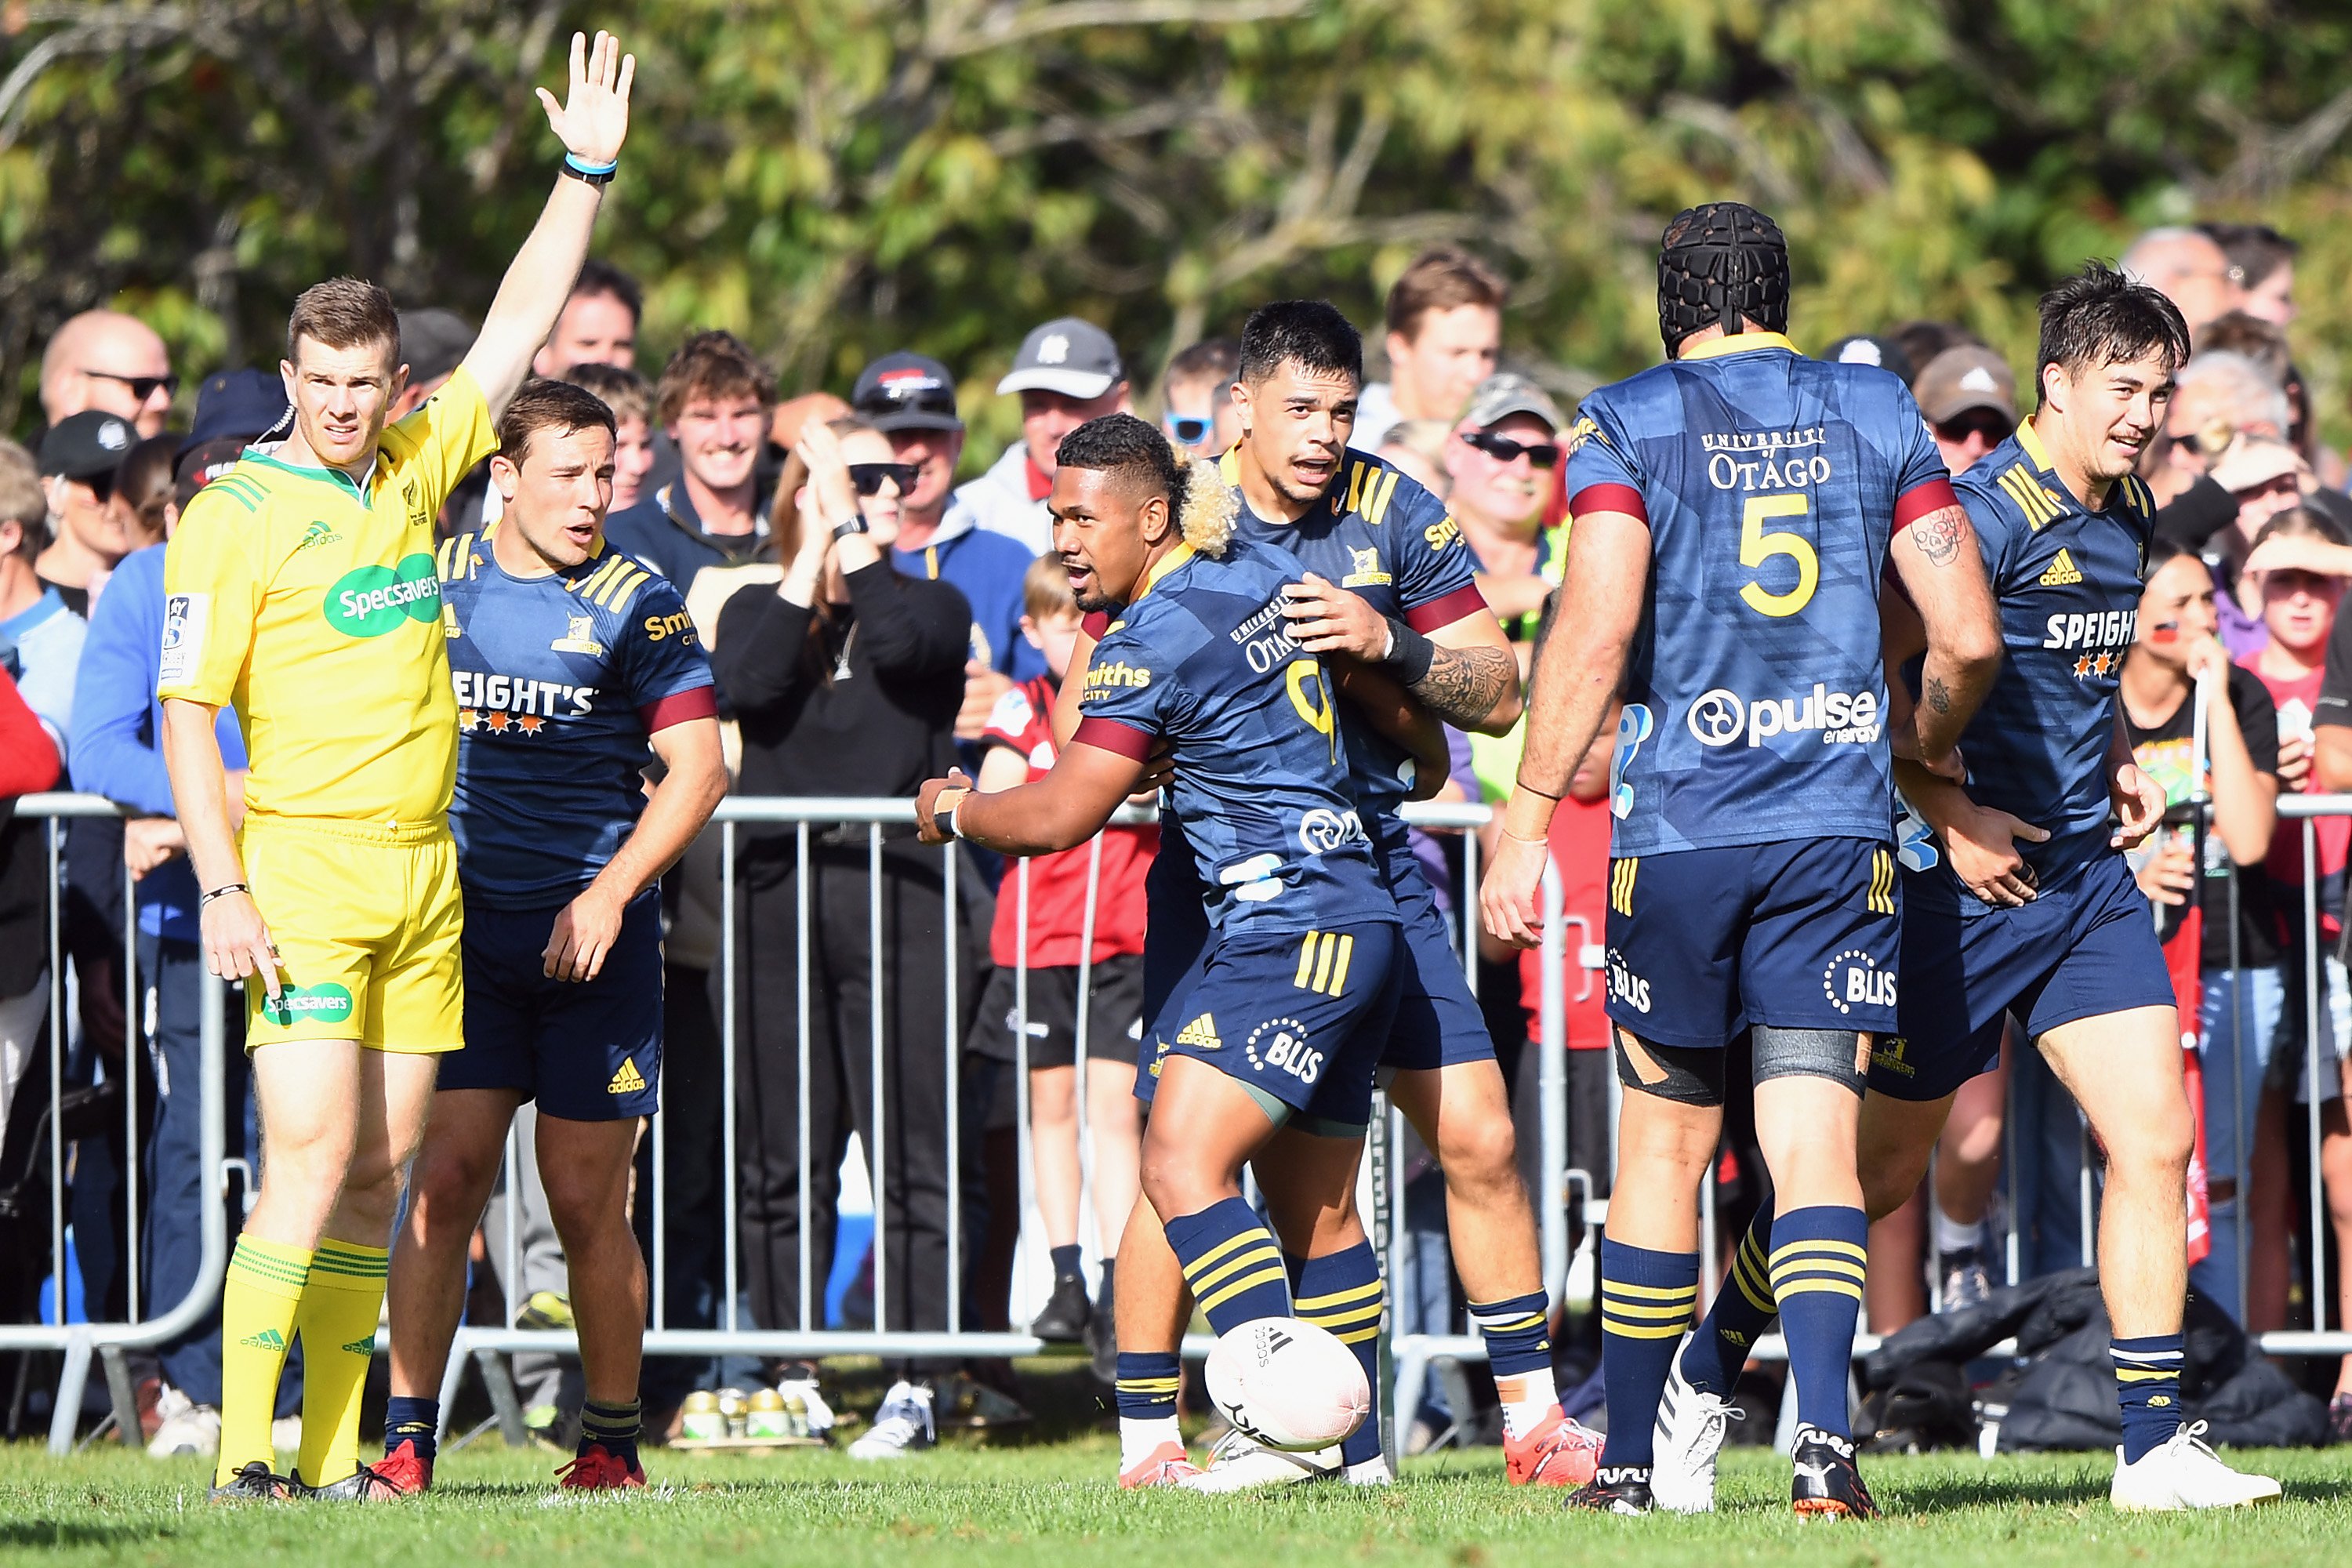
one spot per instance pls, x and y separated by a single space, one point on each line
1114 1014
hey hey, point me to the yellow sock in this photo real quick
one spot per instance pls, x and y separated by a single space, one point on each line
337 1320
259 1301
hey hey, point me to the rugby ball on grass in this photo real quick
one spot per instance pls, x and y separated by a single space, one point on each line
1288 1384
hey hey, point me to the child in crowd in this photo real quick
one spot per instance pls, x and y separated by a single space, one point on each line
1056 898
2298 608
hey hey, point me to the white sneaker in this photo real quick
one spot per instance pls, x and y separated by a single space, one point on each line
901 1426
2183 1473
1688 1435
803 1388
1240 1464
186 1427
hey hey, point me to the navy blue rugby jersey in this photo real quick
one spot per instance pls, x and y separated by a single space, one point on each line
2067 580
1381 535
1201 658
1771 484
560 680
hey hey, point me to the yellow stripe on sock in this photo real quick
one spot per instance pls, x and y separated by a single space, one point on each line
1781 1271
1650 1292
1508 1325
1147 1384
1639 1331
1646 1309
2143 1375
1360 1336
1759 1295
1250 1282
1819 1244
1230 1266
1369 1312
1308 1304
1819 1286
1255 1236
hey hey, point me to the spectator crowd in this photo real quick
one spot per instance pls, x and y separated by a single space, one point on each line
886 998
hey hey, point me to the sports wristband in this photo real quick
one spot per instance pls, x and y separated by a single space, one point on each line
598 174
1410 654
947 819
222 892
856 523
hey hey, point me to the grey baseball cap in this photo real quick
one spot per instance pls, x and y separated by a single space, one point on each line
434 342
1506 392
1066 356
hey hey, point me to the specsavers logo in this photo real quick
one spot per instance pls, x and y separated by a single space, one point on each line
373 600
307 1004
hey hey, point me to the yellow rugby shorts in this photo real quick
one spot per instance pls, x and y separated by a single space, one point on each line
368 924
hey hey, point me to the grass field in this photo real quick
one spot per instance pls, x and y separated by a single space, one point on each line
1054 1504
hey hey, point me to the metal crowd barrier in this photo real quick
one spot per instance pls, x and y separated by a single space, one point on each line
1571 956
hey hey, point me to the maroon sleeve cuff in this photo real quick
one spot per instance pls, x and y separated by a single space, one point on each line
1608 498
1110 736
1427 618
1917 502
700 703
1095 623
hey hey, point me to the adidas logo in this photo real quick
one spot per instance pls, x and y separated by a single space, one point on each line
2063 572
362 1347
1202 1032
267 1340
317 533
628 1081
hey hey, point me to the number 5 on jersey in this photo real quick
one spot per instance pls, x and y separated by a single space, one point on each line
1757 547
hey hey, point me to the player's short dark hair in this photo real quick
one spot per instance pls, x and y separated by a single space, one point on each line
1922 340
2255 250
1309 333
556 405
2099 317
713 364
625 392
1443 277
1212 359
1123 445
343 313
603 279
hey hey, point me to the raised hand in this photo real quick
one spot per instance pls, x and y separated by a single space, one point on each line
593 119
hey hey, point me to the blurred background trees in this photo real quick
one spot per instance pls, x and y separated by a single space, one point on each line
833 178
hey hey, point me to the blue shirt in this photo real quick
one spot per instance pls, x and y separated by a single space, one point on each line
1771 484
2067 580
1379 534
1203 659
117 728
560 682
988 569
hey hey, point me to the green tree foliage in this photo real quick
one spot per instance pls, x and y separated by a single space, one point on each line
835 178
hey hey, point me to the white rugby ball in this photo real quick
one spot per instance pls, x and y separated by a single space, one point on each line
1288 1384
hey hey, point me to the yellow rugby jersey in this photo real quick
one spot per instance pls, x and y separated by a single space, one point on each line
313 606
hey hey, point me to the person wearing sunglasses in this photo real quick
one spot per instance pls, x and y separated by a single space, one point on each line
1502 459
1196 397
846 677
79 457
112 362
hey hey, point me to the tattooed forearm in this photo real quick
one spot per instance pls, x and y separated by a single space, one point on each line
1937 695
1465 685
1940 534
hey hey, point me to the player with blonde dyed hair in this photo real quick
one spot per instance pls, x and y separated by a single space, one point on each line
301 588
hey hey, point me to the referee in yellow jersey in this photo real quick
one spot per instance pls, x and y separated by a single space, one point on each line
301 587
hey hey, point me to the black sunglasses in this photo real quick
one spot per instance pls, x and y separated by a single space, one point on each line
1503 449
1191 429
868 477
143 388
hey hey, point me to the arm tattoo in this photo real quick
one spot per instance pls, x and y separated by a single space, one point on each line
1940 534
1464 684
1938 696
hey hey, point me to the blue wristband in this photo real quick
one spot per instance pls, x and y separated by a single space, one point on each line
592 170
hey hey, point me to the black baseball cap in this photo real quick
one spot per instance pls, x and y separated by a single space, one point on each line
1072 357
433 342
85 445
243 404
1866 348
906 391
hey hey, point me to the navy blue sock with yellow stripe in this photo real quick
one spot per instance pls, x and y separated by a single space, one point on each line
1646 1302
2147 1382
1342 1293
1817 1268
1743 1309
1230 1264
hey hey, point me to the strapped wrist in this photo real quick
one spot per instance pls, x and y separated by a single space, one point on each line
1408 653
